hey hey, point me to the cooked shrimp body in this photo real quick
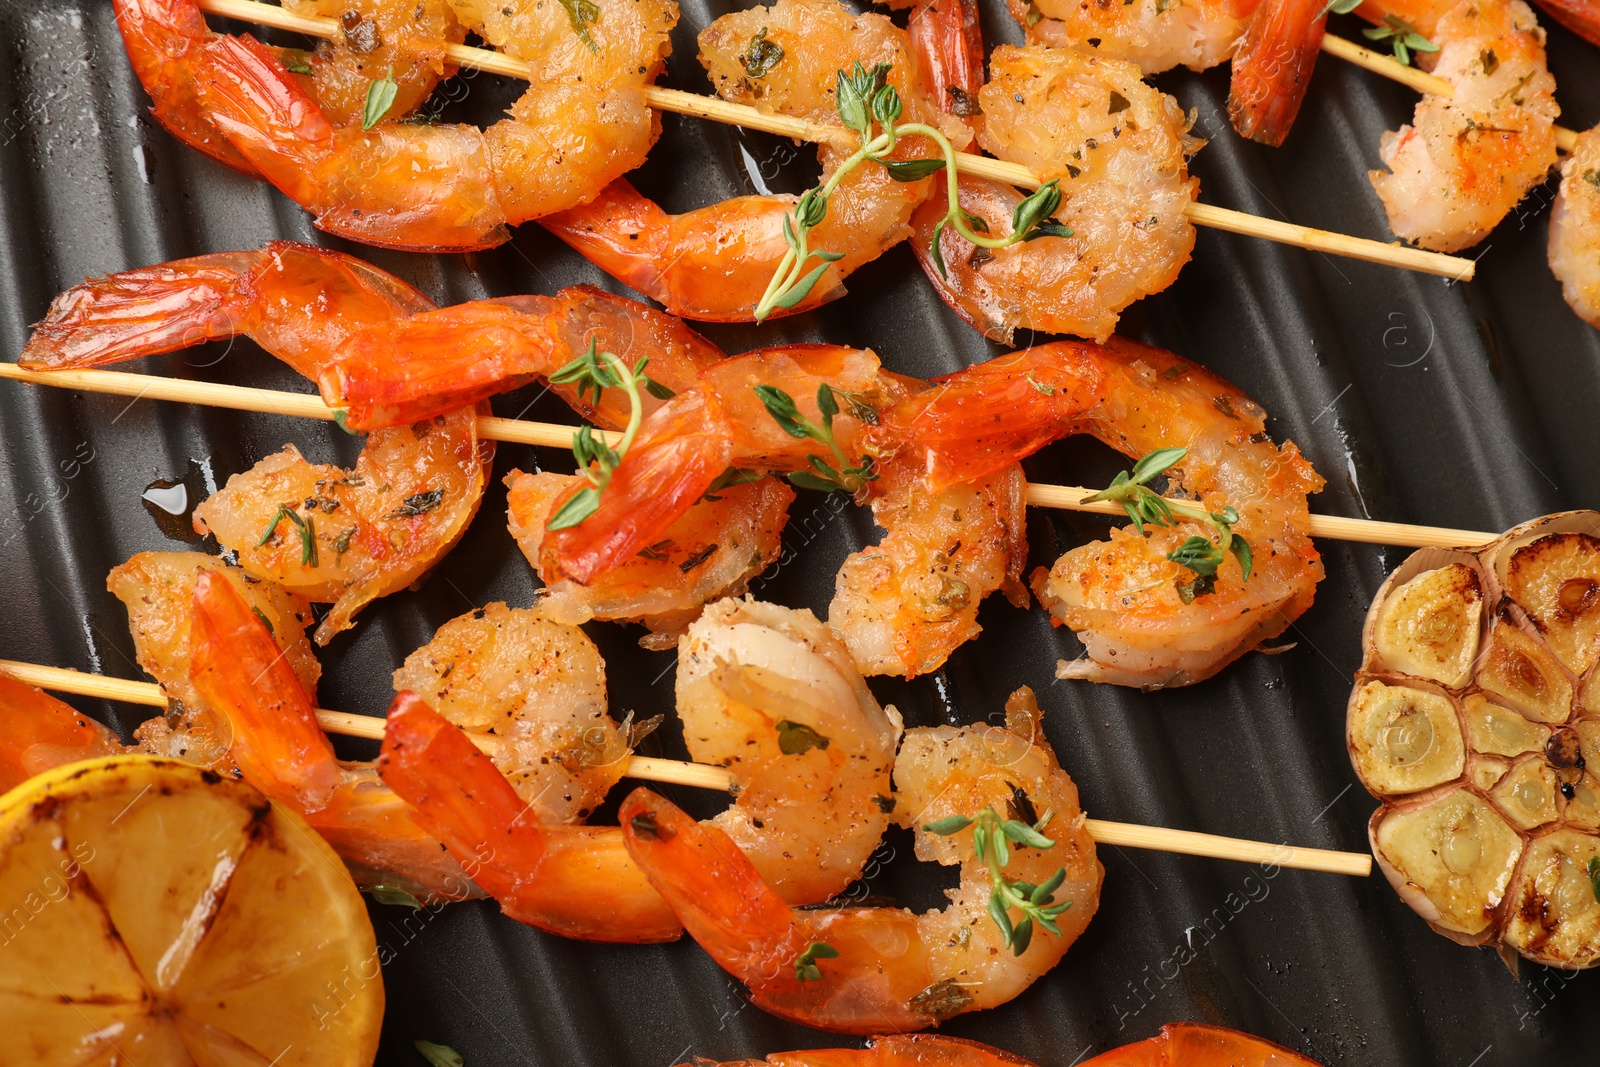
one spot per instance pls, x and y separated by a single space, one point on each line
773 695
349 537
895 1050
711 551
403 369
241 673
297 301
537 688
688 442
1155 34
888 969
1575 228
42 732
903 605
1119 149
157 588
1199 1045
714 263
1122 597
1467 159
1178 1045
402 41
426 187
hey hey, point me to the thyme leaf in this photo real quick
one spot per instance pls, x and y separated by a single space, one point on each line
805 964
380 98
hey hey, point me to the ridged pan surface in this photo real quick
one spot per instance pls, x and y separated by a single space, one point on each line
1470 406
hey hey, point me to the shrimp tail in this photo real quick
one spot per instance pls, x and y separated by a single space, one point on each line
716 891
241 672
165 40
1272 68
978 421
550 879
947 39
42 732
141 312
409 369
1582 17
681 450
415 188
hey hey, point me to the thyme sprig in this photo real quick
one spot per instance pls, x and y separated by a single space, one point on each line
1144 505
595 372
1402 36
866 100
1037 903
823 476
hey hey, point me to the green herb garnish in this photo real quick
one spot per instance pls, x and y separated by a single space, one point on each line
866 99
595 372
1037 903
308 537
581 14
380 98
1403 37
1144 505
728 479
805 964
419 504
1594 876
823 476
796 738
762 55
1339 7
390 894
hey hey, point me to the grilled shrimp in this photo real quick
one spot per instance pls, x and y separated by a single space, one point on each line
763 690
402 41
350 537
42 732
1575 228
1467 159
1118 147
168 42
1178 1045
714 263
1125 599
711 551
870 970
240 672
1155 34
157 588
582 123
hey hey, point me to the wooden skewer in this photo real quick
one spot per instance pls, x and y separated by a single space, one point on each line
717 110
675 772
1420 80
551 435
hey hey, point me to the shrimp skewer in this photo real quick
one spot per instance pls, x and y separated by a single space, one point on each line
1142 620
1119 150
715 263
371 337
1468 159
764 690
424 187
867 970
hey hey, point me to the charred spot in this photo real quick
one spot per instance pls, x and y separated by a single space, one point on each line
1578 596
962 102
644 825
1563 750
210 777
1021 807
980 256
360 33
698 558
885 804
